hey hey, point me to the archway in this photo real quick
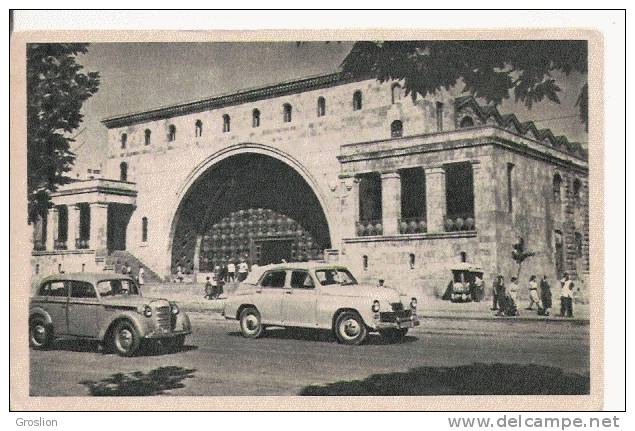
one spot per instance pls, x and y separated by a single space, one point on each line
248 205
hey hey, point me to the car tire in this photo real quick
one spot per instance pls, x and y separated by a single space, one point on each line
125 339
174 344
40 334
250 323
394 335
350 328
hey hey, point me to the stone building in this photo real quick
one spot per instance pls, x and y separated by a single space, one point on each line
327 167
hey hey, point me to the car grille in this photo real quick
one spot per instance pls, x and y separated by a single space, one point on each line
392 316
397 306
164 318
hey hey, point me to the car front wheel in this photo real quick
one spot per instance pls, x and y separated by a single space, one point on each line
40 335
250 323
125 339
350 328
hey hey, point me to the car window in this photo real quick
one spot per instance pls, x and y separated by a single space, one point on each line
44 289
274 279
82 289
58 289
301 280
117 287
331 276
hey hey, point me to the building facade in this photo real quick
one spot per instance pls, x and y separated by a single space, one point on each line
327 167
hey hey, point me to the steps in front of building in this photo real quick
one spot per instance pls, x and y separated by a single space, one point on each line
118 258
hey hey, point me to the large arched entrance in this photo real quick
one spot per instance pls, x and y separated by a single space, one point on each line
250 206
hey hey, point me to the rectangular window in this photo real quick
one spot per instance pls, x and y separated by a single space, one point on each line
274 279
301 280
459 194
82 289
370 197
58 289
439 115
510 185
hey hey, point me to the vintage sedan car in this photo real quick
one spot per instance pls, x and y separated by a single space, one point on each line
105 306
319 295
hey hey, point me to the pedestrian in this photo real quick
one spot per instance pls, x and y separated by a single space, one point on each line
179 273
208 288
534 298
545 296
477 288
231 271
215 281
243 270
141 276
380 283
566 297
498 290
511 308
124 268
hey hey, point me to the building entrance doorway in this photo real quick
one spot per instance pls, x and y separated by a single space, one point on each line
274 251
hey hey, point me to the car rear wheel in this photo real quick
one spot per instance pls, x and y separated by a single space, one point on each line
350 328
40 335
250 323
125 339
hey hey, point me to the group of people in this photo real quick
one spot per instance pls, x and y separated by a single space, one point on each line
227 273
505 298
126 269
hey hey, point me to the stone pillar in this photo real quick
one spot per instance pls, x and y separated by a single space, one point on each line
73 226
196 260
99 229
349 206
435 198
51 228
390 202
480 194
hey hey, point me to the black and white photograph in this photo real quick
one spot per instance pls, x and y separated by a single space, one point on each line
315 218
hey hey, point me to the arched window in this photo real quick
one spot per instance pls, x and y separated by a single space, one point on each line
557 182
255 118
124 140
577 186
147 135
396 129
411 260
357 100
395 91
172 133
466 122
198 128
226 123
321 107
463 256
144 229
286 113
123 171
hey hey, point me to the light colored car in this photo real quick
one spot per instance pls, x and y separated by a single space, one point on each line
106 307
321 296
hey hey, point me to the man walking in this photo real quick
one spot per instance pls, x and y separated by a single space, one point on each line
533 294
566 297
243 269
498 290
231 271
141 276
545 296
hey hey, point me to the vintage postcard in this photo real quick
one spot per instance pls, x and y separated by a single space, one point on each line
321 220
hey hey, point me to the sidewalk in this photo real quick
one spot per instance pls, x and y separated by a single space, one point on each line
190 298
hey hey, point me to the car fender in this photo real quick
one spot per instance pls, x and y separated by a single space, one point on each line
130 315
330 306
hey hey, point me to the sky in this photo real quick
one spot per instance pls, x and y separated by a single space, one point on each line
141 76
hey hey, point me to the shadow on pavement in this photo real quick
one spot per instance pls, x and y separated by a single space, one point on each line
138 383
475 379
321 335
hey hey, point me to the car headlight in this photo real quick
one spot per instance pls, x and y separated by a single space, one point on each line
413 303
375 306
147 311
174 309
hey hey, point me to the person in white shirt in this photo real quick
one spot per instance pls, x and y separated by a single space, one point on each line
141 276
243 270
566 297
231 271
512 297
534 298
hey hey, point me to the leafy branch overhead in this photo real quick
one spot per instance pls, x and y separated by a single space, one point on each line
56 90
489 69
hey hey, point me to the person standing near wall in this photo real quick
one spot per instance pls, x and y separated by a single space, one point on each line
545 296
231 271
497 292
534 298
141 276
566 297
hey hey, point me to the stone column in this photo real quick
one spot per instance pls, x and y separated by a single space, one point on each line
349 206
435 198
51 228
480 194
99 229
390 202
73 226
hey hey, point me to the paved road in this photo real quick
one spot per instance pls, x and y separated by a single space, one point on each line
441 357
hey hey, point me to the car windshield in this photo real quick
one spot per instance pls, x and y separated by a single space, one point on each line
116 287
330 276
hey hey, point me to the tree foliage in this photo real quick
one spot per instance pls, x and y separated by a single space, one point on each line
519 254
56 90
489 69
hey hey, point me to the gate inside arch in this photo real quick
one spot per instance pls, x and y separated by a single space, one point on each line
248 206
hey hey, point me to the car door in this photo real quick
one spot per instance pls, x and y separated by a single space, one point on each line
269 296
83 310
56 303
299 304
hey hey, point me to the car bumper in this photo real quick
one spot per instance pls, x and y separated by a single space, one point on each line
158 334
398 324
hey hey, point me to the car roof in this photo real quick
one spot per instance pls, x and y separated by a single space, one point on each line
257 271
92 277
